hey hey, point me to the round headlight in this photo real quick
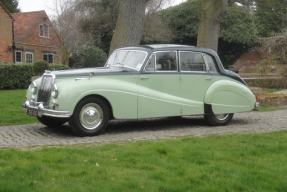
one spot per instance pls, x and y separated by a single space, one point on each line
33 87
54 91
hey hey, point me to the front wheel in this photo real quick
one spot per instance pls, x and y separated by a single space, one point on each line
219 119
90 117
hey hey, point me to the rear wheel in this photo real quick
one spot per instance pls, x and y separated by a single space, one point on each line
90 117
52 121
218 119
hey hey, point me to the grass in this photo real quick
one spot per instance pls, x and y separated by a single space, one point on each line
10 108
239 162
12 114
265 108
272 90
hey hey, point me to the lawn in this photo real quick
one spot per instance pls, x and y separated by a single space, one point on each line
10 108
12 114
237 162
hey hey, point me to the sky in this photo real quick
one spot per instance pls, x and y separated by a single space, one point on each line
47 5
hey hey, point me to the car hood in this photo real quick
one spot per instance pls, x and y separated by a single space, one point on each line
88 71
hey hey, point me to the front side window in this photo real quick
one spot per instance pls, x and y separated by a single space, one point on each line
190 61
127 59
18 56
48 57
44 30
166 61
29 57
211 63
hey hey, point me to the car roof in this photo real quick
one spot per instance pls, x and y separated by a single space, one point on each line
166 47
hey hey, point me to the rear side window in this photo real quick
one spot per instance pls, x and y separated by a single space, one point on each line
190 61
211 63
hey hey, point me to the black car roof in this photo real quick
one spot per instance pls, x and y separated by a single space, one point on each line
163 47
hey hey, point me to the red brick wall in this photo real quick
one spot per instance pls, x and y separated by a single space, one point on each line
248 61
33 41
6 37
38 52
34 38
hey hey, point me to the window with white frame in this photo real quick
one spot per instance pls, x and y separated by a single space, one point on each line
18 56
44 30
48 57
29 57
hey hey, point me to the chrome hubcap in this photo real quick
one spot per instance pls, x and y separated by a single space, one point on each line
91 116
221 116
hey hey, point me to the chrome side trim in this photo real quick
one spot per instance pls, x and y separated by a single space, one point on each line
43 111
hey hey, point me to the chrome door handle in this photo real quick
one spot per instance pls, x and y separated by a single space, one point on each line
144 77
208 78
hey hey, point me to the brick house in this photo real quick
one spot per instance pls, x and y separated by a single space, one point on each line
6 35
34 38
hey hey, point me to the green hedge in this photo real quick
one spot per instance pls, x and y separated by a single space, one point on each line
18 76
15 76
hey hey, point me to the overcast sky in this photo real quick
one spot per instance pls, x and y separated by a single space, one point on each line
48 5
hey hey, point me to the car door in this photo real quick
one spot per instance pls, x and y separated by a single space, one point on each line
195 80
159 86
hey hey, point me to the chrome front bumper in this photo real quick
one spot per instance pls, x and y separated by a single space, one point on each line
43 111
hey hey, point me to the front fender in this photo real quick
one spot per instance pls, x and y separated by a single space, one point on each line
227 96
122 95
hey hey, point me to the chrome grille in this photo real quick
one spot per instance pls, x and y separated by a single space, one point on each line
45 89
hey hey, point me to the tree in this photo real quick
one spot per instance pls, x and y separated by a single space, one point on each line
67 27
210 15
130 22
237 34
11 5
271 17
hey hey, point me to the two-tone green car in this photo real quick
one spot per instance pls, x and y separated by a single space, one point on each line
140 82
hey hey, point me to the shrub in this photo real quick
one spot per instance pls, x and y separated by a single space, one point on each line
85 57
40 67
58 67
15 76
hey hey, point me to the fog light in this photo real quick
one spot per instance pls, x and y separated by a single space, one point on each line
33 87
54 91
32 99
57 104
53 103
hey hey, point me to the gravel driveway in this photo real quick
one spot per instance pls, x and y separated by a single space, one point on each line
20 136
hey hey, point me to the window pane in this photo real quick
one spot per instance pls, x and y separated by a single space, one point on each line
41 31
45 57
191 62
18 57
211 64
166 61
46 30
29 58
151 64
51 59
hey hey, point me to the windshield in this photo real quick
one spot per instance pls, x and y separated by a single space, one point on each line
129 59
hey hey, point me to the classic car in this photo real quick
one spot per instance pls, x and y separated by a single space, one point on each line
140 82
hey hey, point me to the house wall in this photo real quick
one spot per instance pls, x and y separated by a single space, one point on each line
38 45
38 52
6 37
